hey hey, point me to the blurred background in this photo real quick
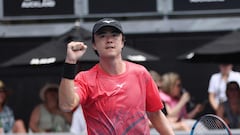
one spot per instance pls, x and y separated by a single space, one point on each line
162 35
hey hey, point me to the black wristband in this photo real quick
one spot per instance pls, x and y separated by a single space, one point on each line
69 71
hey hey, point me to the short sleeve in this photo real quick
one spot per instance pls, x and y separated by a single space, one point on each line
211 88
153 100
80 85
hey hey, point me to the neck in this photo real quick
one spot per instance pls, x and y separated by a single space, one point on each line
51 109
113 67
225 76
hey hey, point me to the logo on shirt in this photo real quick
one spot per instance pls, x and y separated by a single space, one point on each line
120 85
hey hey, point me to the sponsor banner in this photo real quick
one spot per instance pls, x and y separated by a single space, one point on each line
16 8
193 5
122 6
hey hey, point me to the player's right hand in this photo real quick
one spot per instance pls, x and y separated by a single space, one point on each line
75 50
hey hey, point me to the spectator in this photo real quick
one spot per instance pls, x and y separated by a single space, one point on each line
47 117
176 99
157 78
217 84
229 110
10 125
78 125
177 125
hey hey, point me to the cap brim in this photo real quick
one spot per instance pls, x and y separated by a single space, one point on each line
108 25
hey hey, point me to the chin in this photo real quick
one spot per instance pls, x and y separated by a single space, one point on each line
109 56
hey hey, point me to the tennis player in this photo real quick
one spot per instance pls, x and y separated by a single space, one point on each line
116 96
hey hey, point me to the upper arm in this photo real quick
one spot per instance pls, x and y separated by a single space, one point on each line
68 98
153 116
212 82
153 99
211 96
34 118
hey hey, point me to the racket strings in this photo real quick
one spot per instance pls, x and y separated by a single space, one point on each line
210 126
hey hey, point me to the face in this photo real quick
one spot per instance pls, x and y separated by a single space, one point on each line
176 89
108 42
225 68
51 98
233 93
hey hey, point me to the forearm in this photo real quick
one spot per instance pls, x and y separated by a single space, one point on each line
34 127
173 112
68 98
160 123
212 101
192 113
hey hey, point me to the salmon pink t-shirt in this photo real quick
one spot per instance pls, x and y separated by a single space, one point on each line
117 104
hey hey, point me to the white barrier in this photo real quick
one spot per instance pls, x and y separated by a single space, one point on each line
152 132
234 132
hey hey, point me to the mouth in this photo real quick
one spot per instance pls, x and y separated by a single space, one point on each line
109 47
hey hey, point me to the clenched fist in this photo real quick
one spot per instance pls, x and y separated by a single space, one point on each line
75 50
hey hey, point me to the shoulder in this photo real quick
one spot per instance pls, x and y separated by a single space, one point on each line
216 76
91 72
235 73
234 76
7 108
38 108
165 97
134 67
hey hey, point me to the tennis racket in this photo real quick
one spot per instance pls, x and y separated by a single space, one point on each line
210 124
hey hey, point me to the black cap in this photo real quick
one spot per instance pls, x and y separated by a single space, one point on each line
106 22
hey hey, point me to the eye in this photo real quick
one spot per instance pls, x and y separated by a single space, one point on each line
101 35
115 34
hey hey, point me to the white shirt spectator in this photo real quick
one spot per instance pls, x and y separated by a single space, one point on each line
218 86
78 125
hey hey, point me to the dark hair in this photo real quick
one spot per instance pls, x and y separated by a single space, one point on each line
232 85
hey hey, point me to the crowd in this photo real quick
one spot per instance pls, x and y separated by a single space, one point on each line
48 117
45 117
223 96
116 96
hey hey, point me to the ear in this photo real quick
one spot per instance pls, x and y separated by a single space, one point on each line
94 46
123 44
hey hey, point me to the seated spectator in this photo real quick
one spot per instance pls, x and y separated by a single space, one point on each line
8 122
47 117
217 84
176 99
78 125
229 110
177 125
157 78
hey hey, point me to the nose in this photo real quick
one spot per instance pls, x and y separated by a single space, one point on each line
109 39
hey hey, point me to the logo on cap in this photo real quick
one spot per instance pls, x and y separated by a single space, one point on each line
108 21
